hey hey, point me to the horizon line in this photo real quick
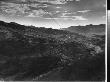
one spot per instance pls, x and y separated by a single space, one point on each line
50 27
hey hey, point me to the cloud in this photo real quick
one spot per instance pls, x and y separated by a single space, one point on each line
68 13
75 18
43 5
10 11
78 18
84 11
12 8
31 15
46 1
43 1
58 11
22 9
37 13
77 0
58 7
49 1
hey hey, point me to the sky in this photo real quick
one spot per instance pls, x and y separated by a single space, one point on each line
53 13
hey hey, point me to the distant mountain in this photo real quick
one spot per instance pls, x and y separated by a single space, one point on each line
88 29
13 30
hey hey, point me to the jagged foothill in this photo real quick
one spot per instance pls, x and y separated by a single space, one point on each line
46 54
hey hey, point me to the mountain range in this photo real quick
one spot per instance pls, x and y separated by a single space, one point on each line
46 54
88 29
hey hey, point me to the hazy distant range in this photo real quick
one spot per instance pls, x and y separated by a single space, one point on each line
88 29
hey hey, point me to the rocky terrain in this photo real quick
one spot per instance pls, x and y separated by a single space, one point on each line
29 53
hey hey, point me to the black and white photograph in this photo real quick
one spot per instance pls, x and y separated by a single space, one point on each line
53 40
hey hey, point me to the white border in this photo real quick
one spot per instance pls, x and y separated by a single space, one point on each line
106 43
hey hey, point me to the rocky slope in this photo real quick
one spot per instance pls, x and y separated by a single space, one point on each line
31 53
